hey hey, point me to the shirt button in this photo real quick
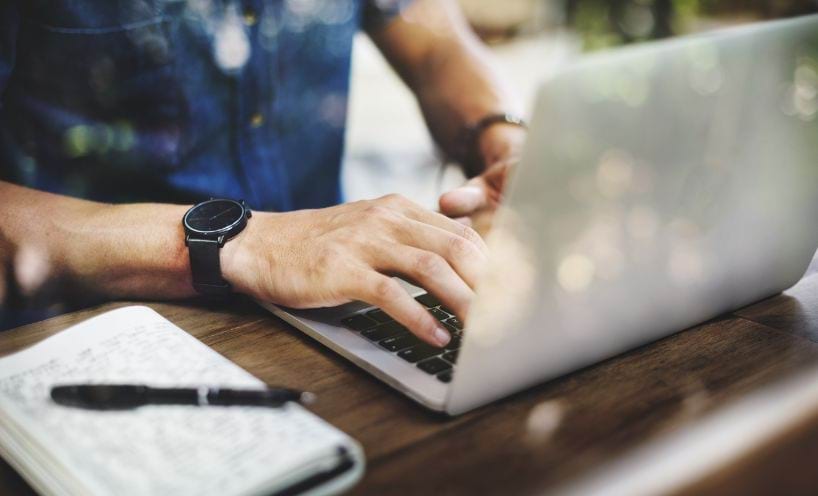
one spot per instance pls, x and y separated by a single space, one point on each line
257 119
250 17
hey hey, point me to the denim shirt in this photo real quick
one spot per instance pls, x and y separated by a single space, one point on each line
179 100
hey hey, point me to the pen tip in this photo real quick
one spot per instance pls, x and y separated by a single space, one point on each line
307 398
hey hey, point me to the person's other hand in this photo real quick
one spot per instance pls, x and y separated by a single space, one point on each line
331 256
476 201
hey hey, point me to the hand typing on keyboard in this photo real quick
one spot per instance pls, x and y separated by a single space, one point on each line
377 326
331 256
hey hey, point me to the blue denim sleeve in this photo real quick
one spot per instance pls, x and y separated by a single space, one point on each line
378 13
9 24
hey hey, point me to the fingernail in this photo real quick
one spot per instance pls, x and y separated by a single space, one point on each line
442 337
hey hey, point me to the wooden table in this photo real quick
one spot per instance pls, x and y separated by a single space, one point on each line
591 417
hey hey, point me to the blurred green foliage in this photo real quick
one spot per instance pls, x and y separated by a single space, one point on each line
605 23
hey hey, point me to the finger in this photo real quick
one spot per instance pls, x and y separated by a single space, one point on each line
429 271
497 175
418 213
451 226
464 256
466 221
481 192
464 200
388 295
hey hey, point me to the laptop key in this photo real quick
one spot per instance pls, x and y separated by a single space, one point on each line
455 322
358 323
451 356
427 300
400 342
434 365
384 331
445 376
419 352
379 316
439 314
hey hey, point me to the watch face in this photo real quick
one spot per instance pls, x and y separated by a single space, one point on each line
214 216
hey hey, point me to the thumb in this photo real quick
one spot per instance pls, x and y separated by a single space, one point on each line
464 201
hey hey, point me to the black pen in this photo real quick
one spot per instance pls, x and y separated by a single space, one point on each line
128 396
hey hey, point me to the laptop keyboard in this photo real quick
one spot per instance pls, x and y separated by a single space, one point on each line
375 325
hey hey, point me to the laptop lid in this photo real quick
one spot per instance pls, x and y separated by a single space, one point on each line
661 186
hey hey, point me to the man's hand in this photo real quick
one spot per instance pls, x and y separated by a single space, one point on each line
303 259
475 202
327 257
478 199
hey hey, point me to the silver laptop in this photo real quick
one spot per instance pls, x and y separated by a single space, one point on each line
661 186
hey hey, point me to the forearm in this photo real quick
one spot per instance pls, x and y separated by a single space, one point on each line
117 251
459 86
452 73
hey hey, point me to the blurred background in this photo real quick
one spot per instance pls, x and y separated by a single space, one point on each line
388 148
605 23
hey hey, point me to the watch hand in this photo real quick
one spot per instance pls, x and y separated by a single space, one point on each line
219 214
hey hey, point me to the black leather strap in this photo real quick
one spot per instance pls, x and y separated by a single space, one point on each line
206 267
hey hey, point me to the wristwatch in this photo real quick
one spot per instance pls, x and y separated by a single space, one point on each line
208 226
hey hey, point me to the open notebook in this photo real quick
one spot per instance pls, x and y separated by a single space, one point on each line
158 449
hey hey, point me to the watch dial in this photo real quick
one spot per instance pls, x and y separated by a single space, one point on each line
214 215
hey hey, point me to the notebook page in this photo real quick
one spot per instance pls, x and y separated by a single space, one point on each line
154 449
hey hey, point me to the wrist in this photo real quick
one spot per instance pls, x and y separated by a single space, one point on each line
210 230
234 259
240 255
501 143
494 138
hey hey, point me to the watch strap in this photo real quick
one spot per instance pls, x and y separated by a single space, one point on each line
205 265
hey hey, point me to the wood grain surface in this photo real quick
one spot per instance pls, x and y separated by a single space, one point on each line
540 438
